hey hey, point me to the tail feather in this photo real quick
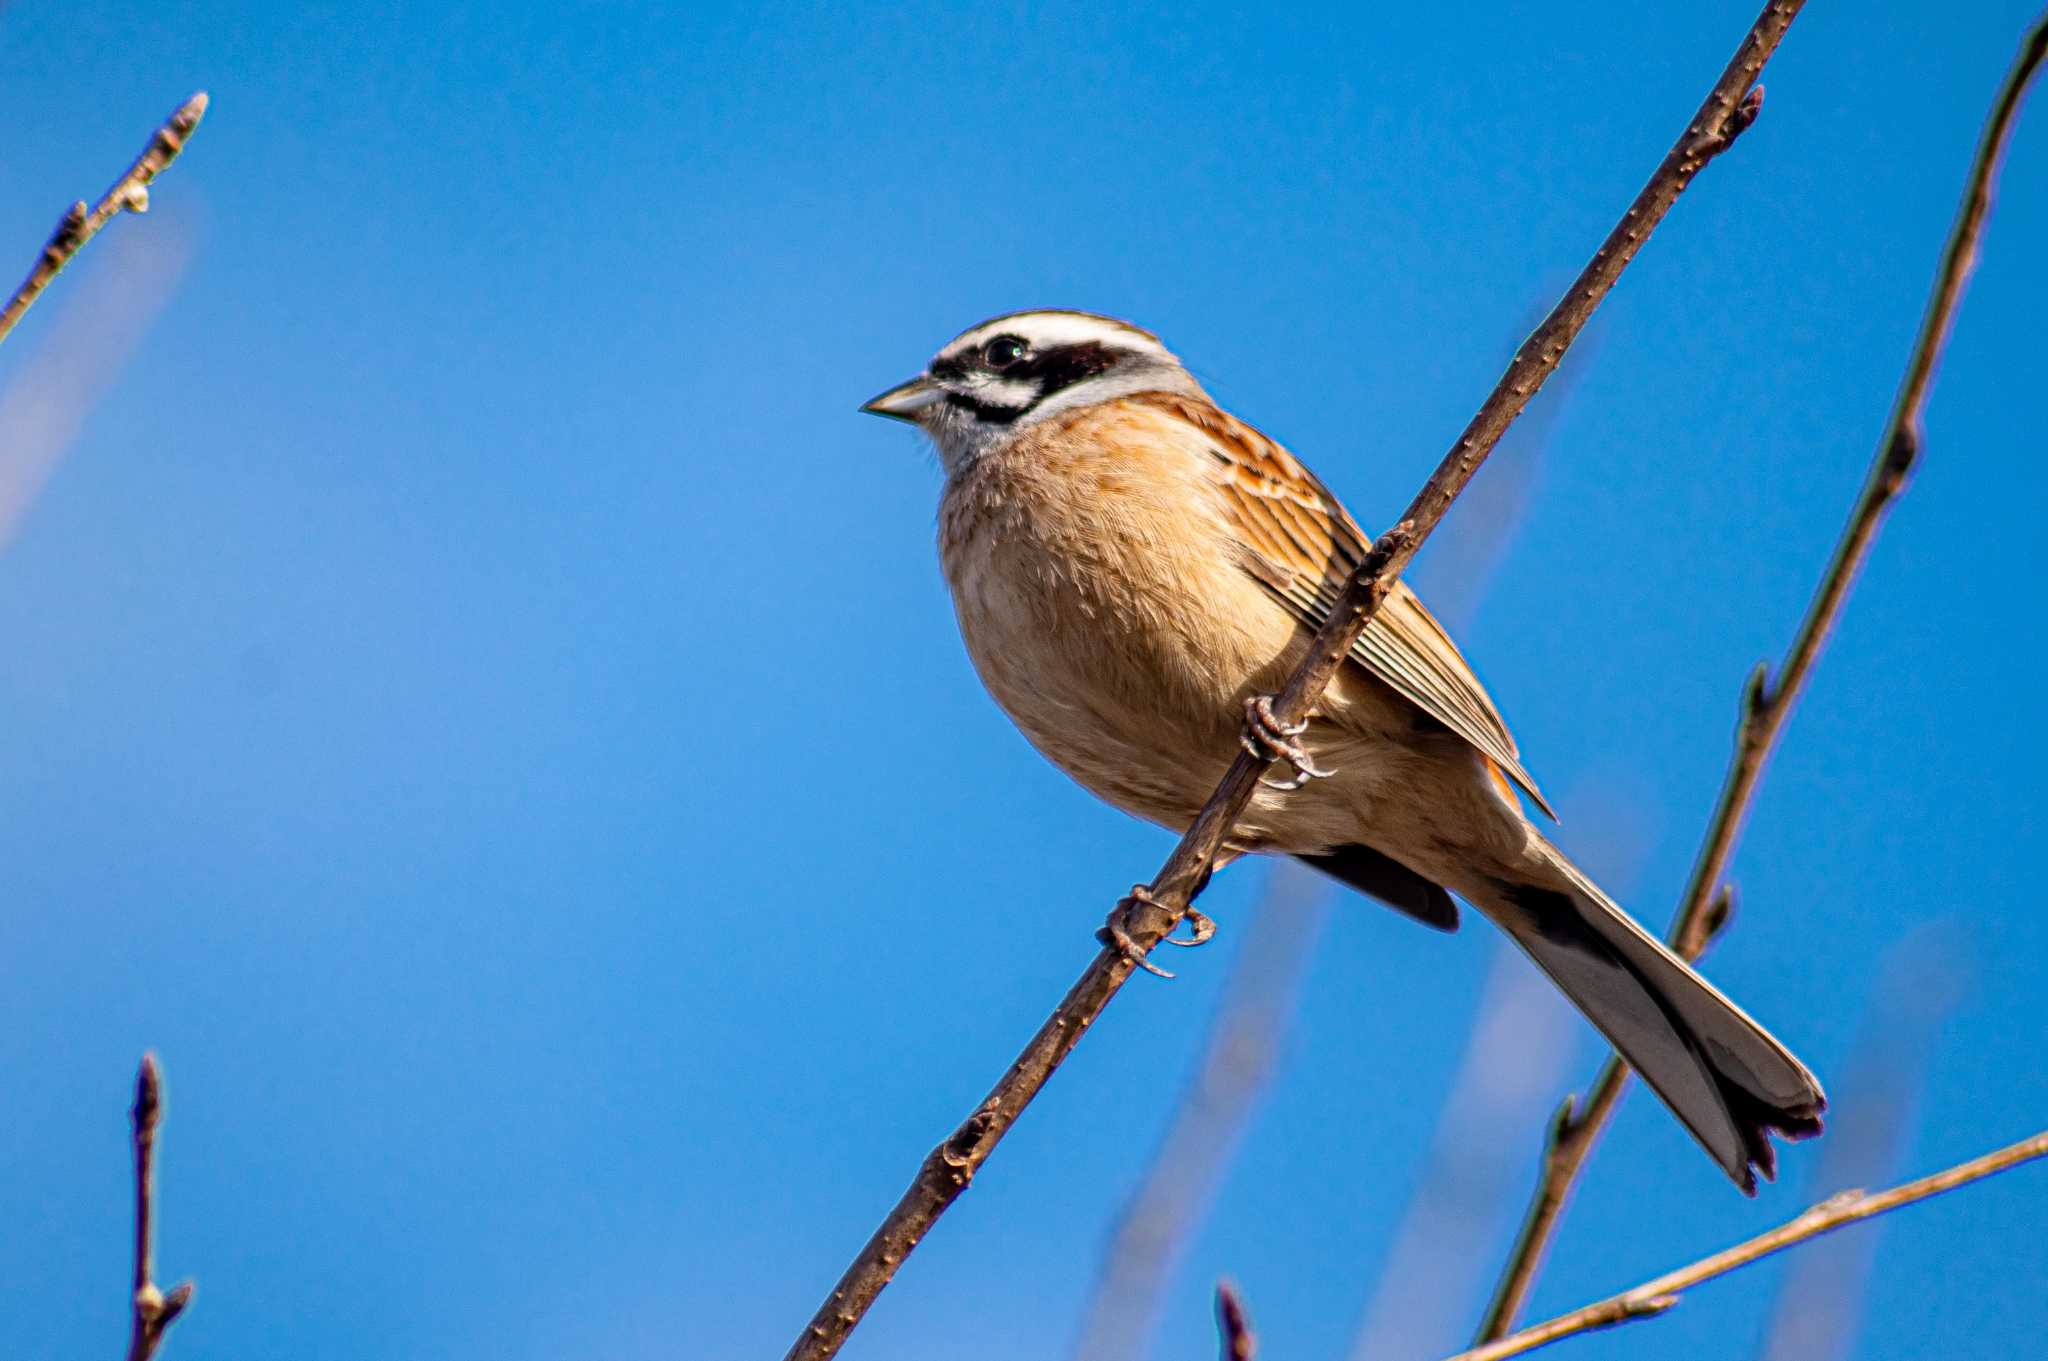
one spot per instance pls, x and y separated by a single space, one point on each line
1387 879
1721 1073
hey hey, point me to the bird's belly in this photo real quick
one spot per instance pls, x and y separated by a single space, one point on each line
1136 690
1105 690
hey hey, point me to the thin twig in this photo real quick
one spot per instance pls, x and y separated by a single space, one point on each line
1234 1325
1765 702
155 1311
1730 108
1847 1207
130 192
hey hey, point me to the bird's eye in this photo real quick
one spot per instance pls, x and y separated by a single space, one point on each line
1002 352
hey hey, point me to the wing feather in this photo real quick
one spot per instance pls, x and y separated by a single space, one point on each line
1302 545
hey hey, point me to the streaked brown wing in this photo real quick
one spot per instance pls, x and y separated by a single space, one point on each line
1302 545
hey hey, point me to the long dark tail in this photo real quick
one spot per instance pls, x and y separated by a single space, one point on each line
1721 1073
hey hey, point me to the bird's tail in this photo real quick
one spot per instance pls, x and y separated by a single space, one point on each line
1721 1073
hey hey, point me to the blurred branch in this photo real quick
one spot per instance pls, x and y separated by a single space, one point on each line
1765 702
1234 1326
1468 551
1821 1296
1848 1207
1437 1260
1237 1063
49 397
130 192
1730 107
155 1311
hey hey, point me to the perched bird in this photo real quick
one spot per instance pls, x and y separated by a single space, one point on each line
1135 570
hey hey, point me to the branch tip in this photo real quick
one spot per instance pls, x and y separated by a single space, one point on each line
151 1308
80 224
1234 1325
148 1108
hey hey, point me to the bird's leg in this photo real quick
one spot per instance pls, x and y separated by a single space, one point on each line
1117 930
1267 738
1199 922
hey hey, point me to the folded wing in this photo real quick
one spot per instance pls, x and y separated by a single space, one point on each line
1302 545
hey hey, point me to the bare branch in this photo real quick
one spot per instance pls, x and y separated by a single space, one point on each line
1848 1207
155 1311
1234 1326
130 192
1766 703
1729 108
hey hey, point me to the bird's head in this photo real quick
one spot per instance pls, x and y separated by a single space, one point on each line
1002 376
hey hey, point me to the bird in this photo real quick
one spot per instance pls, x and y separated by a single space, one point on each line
1135 571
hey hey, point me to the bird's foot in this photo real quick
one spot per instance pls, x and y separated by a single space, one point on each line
1117 930
1201 923
1267 738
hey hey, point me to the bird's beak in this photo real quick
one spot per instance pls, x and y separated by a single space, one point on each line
906 400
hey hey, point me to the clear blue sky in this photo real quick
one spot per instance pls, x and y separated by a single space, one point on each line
480 703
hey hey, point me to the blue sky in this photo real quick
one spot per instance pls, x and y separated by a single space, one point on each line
483 707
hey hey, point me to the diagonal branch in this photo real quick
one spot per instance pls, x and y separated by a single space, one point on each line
79 225
1767 702
1847 1207
1729 108
155 1311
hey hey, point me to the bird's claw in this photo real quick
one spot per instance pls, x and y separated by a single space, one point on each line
1116 931
1267 738
1201 923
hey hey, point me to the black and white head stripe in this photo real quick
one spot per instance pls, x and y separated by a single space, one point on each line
1036 362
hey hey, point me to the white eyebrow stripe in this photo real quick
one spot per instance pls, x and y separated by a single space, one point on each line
1050 330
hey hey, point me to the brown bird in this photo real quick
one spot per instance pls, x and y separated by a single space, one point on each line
1134 570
